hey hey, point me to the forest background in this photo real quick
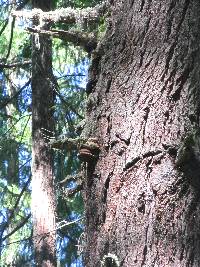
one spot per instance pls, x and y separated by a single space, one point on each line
70 64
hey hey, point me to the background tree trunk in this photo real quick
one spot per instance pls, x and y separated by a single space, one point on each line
43 198
142 197
11 110
13 162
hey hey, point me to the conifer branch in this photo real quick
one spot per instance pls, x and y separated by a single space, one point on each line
65 15
87 41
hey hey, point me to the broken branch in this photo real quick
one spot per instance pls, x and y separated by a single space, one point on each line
87 41
67 143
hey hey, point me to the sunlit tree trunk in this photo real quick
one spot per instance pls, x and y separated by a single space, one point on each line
43 198
142 196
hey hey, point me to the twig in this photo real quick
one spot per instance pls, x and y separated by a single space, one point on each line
11 38
21 224
66 223
13 125
14 65
71 75
22 135
4 26
61 225
67 104
15 206
8 100
70 178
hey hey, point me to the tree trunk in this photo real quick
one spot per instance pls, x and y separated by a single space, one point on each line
12 161
11 110
142 195
43 198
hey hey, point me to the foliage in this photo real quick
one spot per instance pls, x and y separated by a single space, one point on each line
77 3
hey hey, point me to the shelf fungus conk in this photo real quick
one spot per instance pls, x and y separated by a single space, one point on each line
89 151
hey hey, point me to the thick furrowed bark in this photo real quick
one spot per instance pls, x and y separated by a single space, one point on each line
141 205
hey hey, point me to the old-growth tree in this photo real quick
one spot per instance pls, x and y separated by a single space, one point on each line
142 198
43 197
